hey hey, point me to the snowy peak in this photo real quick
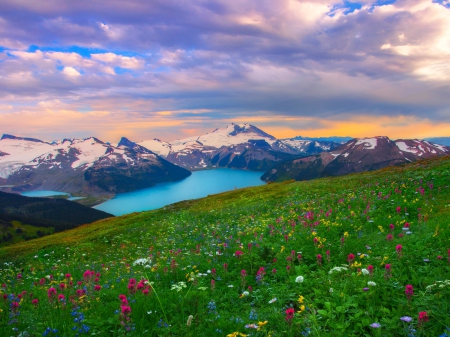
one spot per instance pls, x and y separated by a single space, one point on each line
157 146
421 148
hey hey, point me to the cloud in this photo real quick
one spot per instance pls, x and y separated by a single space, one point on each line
198 62
71 72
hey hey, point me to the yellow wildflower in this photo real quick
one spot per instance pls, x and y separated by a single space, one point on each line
301 309
261 324
346 234
301 299
236 334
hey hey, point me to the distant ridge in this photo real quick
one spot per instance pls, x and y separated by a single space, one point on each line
336 139
440 140
6 136
357 155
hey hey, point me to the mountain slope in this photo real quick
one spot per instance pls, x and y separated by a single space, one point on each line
47 212
357 155
245 260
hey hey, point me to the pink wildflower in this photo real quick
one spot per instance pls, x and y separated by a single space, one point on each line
423 317
350 258
409 291
289 315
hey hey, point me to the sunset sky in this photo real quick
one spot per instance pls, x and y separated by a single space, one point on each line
175 68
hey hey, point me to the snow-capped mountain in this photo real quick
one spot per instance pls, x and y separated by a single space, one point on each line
83 166
357 155
237 146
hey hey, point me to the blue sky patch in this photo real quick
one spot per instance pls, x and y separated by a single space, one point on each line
442 2
83 51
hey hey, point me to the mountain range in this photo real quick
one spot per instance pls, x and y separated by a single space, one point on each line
240 146
81 166
90 166
357 155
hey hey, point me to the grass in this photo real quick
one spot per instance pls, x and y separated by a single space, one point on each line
229 264
21 232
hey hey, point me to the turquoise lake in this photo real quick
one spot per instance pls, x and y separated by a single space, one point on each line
48 194
198 185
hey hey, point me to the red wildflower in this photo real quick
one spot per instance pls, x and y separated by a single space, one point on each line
409 291
350 258
51 292
423 317
389 237
289 315
238 253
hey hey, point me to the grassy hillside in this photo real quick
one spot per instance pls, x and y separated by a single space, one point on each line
360 255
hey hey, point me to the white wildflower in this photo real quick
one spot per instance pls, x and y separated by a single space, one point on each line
299 279
273 300
365 271
371 283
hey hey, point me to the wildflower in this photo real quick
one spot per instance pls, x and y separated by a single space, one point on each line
301 299
365 271
406 319
212 306
350 258
398 249
409 291
51 292
238 253
371 283
331 290
245 293
375 325
365 289
189 320
423 317
387 272
251 326
319 259
273 300
289 315
299 279
261 324
389 237
236 334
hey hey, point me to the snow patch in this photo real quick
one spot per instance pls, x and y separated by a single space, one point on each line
369 143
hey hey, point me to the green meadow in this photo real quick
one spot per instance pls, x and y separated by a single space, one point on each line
360 255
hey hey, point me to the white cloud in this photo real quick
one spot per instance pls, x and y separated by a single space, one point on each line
71 72
119 60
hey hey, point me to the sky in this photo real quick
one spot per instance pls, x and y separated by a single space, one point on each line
171 69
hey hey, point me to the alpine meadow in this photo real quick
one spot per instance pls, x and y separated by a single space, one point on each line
365 254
